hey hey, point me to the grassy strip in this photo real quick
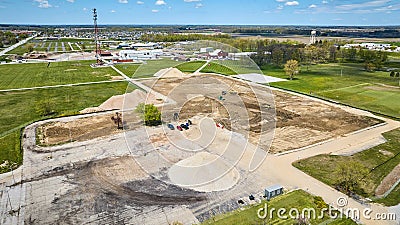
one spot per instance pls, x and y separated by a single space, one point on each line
190 67
151 67
297 199
213 67
10 151
345 83
20 108
128 69
379 160
38 74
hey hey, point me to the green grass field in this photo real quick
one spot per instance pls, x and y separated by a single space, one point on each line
19 109
379 160
190 67
297 199
214 67
346 83
128 69
38 74
151 67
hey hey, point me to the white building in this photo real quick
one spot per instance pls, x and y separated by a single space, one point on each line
370 46
140 55
206 50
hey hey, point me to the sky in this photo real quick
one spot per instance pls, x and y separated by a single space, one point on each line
210 12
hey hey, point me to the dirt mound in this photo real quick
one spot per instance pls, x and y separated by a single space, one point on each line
170 73
125 101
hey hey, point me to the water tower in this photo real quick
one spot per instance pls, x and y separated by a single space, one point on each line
313 37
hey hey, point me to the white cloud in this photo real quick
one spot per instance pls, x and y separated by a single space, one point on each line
84 9
123 1
199 5
312 6
293 3
155 10
192 0
72 1
113 11
160 2
324 2
43 4
139 2
279 7
281 0
369 4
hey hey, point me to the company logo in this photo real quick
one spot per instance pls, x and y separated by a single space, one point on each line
340 211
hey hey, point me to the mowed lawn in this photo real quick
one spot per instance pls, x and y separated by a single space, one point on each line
128 69
297 199
190 67
27 75
379 160
151 67
346 83
214 67
18 108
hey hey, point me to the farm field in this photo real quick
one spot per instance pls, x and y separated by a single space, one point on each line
346 83
38 74
297 199
379 161
61 45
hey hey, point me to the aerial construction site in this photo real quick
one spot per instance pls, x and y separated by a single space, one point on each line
82 169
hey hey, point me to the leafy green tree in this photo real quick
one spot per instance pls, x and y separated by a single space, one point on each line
292 68
29 47
349 175
150 114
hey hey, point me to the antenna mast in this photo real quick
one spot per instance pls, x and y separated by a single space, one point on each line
96 38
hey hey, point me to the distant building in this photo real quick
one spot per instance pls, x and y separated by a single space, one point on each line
206 50
273 191
370 46
217 54
140 55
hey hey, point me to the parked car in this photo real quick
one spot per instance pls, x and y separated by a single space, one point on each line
171 127
184 126
179 128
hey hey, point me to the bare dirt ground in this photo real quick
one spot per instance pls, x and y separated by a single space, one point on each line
128 178
77 130
299 121
388 181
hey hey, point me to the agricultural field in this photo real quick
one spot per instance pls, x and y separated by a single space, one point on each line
38 74
297 199
346 83
379 160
